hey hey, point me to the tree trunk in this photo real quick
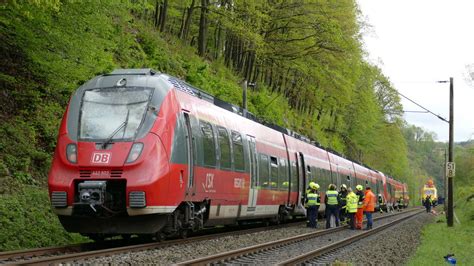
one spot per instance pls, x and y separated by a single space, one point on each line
228 50
187 22
181 27
164 10
157 13
218 42
256 72
202 39
250 64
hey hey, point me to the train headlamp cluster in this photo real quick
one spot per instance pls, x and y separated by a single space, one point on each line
71 153
135 152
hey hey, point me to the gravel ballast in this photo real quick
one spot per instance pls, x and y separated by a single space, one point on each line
381 253
393 247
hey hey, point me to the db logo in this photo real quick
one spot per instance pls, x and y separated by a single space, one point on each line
101 157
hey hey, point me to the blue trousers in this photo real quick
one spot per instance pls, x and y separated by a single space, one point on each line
332 210
312 213
368 216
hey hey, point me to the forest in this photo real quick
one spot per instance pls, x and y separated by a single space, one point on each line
304 60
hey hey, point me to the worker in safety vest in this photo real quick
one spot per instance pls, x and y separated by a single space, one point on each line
304 199
343 202
369 206
332 205
360 207
351 207
399 204
381 203
428 203
312 204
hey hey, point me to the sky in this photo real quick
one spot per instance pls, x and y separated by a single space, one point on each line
419 42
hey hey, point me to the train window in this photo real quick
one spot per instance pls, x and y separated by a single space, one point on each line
224 145
263 173
238 147
315 174
274 161
327 179
273 172
209 147
334 176
294 177
308 173
283 183
323 180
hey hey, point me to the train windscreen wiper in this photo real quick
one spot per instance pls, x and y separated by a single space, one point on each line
123 125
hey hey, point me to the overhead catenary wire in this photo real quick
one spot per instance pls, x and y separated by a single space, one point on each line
424 112
419 105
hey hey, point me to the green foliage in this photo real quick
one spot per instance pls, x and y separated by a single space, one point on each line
439 240
27 221
464 159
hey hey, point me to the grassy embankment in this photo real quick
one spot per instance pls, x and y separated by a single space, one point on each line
438 240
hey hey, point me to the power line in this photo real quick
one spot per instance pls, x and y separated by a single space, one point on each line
424 112
438 116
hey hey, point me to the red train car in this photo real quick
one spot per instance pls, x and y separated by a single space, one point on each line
397 194
140 152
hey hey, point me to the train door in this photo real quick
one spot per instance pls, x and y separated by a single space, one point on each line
377 187
301 166
190 147
253 190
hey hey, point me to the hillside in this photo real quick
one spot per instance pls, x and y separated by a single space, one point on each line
304 57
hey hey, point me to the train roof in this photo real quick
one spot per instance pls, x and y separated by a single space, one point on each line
191 90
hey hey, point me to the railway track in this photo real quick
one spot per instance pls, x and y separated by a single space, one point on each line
299 249
52 255
23 255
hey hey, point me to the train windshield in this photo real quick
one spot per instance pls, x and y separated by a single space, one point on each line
113 113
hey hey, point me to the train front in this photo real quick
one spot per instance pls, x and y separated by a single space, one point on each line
110 169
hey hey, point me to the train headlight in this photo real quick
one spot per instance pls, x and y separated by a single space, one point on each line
71 153
135 152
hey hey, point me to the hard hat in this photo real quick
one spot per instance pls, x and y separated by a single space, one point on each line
359 187
314 185
344 186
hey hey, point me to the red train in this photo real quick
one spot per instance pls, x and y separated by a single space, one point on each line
145 153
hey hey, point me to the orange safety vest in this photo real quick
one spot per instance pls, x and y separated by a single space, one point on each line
369 201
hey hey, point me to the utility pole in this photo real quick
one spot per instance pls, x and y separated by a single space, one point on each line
450 158
445 180
450 168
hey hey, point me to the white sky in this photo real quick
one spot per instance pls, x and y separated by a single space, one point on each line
418 42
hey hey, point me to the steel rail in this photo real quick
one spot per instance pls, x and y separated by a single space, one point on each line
269 245
326 249
7 255
140 247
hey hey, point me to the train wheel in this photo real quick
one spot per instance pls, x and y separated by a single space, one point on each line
160 237
183 233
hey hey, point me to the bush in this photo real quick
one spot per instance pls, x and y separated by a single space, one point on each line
27 221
